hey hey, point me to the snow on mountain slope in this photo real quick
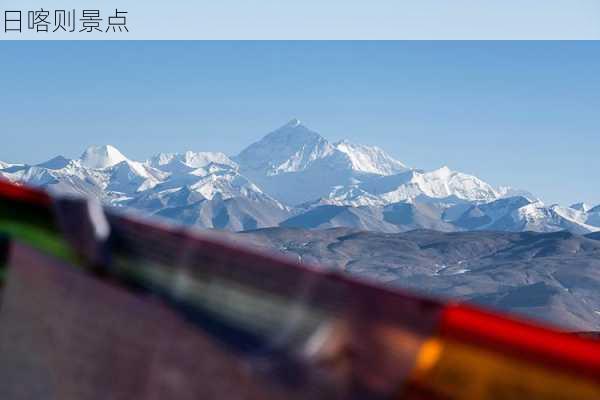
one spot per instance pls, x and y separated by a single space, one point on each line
584 207
331 216
393 218
569 213
152 201
291 148
370 159
131 176
297 165
170 161
593 219
58 162
442 183
100 157
508 191
212 199
352 195
585 215
593 216
294 148
234 214
230 184
516 214
123 175
35 176
97 171
539 218
513 214
595 209
496 215
60 175
211 196
409 216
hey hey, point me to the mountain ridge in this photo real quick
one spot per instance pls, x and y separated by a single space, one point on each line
293 176
552 277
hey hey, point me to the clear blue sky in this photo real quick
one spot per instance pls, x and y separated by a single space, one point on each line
520 113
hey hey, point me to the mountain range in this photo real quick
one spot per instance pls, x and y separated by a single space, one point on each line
293 177
356 208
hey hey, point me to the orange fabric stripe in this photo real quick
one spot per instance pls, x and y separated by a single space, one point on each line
523 340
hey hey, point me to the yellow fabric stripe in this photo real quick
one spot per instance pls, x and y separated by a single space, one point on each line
458 371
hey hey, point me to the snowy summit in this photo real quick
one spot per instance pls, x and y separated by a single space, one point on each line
100 157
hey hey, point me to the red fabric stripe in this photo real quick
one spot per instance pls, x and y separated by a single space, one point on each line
523 340
17 192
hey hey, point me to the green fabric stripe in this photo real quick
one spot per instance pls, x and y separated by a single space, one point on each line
39 238
34 226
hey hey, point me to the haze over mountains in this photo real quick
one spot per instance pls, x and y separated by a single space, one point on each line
294 177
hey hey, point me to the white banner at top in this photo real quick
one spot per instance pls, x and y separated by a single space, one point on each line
306 19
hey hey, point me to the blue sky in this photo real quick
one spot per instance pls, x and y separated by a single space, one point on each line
518 113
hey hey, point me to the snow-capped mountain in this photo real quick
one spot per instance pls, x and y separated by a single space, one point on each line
184 162
399 217
369 159
297 165
520 214
581 207
294 148
291 148
101 157
508 191
295 177
593 216
413 186
177 185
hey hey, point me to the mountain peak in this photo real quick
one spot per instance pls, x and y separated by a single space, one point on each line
580 207
185 162
291 147
100 157
442 171
293 123
294 131
57 162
